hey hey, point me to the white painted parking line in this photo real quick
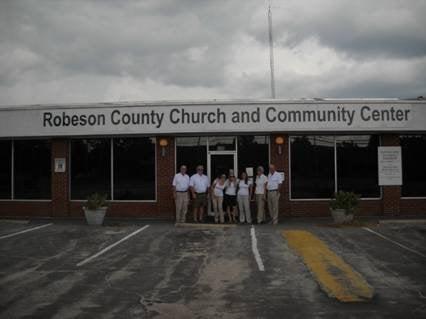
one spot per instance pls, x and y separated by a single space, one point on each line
395 242
25 231
256 250
89 259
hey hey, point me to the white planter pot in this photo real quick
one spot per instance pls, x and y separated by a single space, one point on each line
340 217
96 216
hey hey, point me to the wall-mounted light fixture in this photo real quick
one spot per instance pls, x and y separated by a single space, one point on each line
279 140
163 143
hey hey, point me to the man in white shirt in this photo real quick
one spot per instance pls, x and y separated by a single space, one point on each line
199 185
180 194
273 187
260 195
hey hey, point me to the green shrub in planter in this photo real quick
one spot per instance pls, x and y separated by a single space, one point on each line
95 209
343 206
95 201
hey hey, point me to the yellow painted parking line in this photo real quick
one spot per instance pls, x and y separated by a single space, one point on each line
201 225
334 275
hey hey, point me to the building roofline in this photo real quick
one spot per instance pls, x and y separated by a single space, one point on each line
160 103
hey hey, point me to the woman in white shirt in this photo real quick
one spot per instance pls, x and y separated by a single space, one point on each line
243 198
230 198
217 198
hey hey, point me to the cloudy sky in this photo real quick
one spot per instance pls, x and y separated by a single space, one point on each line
92 51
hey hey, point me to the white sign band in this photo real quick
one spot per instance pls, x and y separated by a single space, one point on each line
212 118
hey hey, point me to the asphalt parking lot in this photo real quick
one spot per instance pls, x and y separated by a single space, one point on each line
141 270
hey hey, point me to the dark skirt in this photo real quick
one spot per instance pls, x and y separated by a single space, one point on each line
229 201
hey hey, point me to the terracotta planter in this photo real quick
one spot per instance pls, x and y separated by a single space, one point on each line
95 216
340 216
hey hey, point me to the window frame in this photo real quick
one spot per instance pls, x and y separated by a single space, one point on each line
335 172
112 172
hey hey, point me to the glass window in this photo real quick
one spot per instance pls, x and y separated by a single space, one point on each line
90 167
252 152
413 149
222 143
134 168
312 166
32 169
357 169
5 169
191 151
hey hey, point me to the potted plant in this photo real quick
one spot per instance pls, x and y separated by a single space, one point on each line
95 209
343 206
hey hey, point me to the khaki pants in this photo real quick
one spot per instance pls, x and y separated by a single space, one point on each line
273 200
260 204
218 208
182 200
244 208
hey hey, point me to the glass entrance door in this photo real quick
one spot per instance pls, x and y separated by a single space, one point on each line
220 163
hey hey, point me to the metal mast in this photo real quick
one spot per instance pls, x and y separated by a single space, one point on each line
271 52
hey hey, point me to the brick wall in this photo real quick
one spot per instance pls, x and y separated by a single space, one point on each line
391 194
279 157
163 208
60 182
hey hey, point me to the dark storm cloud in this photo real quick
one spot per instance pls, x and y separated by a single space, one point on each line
77 51
143 39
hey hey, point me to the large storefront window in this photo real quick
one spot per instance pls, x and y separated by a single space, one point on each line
32 169
413 165
134 168
318 161
312 166
5 169
90 167
191 151
357 165
252 152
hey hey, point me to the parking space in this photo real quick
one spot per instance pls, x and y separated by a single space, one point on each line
11 226
202 271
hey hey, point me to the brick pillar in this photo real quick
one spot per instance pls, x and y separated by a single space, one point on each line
165 173
282 164
60 204
391 194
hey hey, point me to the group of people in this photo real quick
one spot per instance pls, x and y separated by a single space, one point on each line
229 195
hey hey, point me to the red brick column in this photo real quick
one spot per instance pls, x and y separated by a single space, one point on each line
282 164
165 173
391 194
60 204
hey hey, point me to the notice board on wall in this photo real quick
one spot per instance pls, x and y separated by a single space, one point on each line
390 165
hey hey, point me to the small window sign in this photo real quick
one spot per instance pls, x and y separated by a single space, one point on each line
390 166
249 171
60 165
